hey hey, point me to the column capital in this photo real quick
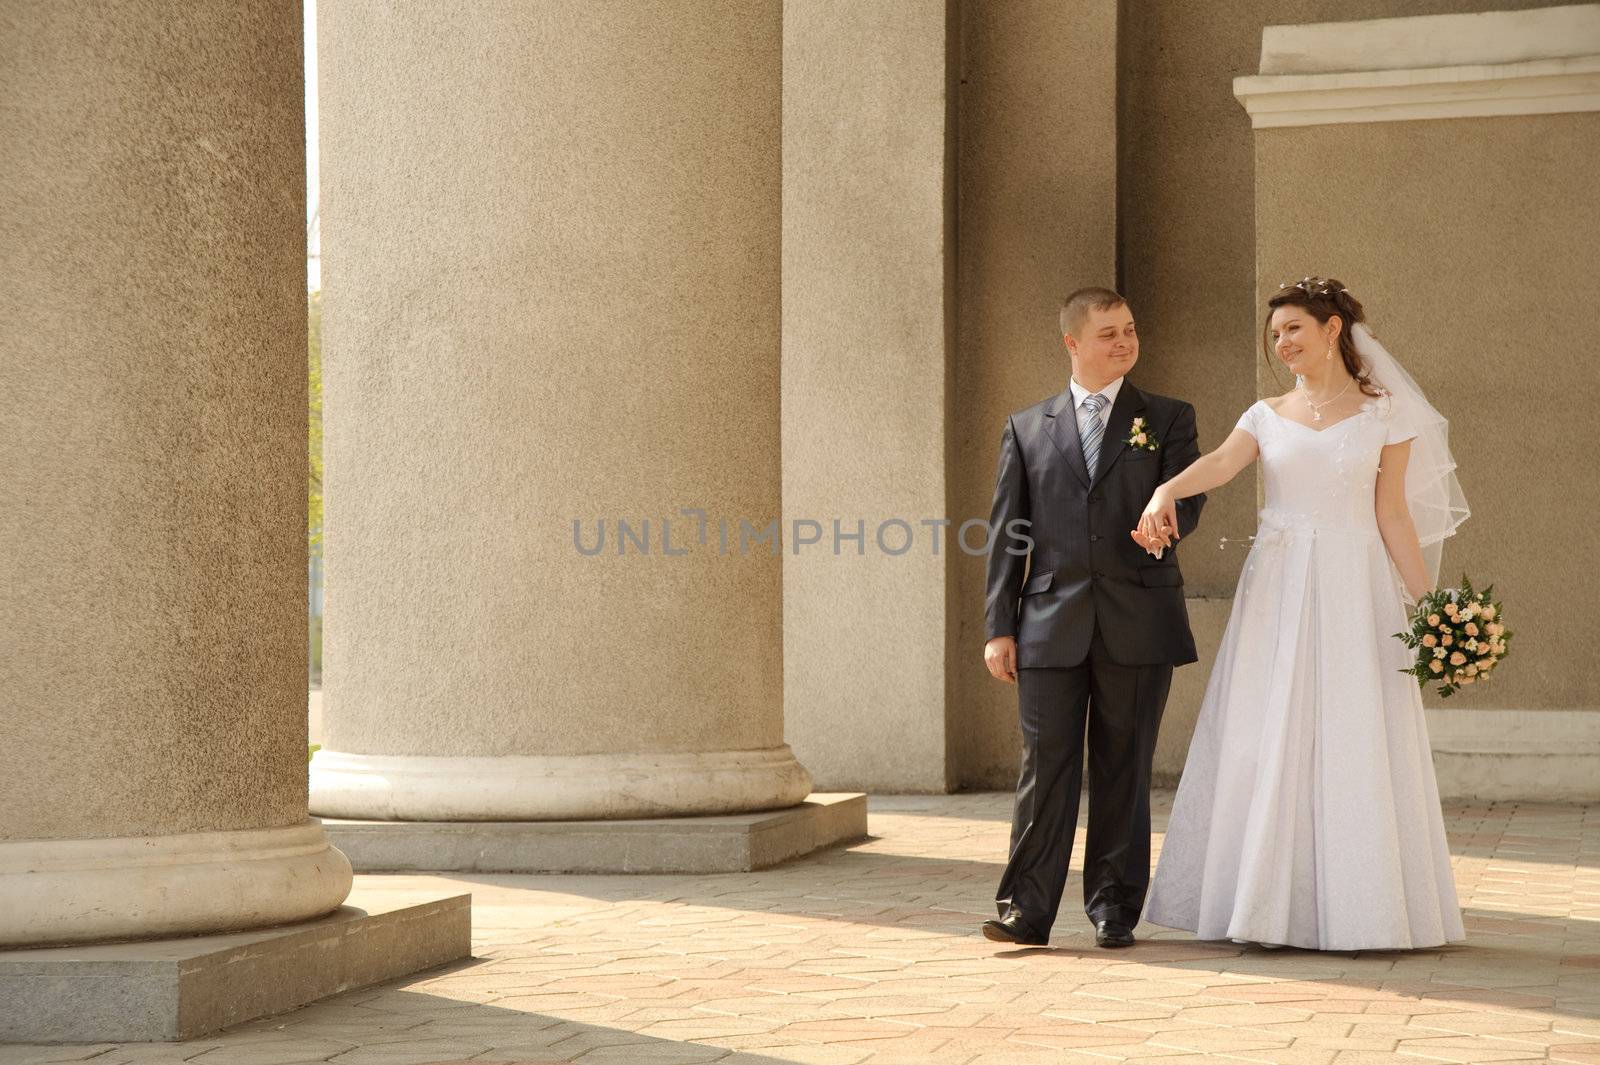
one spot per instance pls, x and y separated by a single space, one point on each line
1545 61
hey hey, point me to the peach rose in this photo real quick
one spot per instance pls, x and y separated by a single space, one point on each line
1139 439
1436 666
1472 670
1448 640
1433 619
1457 658
1467 680
1472 629
1430 640
1495 628
1487 612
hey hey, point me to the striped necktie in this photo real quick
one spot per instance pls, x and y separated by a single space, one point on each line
1090 430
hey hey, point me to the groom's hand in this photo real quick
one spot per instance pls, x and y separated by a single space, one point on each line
1000 655
1158 525
1153 545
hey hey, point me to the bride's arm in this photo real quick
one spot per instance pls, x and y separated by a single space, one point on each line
1209 471
1394 519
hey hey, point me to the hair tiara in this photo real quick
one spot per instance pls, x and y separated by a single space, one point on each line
1316 287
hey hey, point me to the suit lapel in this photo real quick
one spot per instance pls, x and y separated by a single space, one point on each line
1130 402
1062 425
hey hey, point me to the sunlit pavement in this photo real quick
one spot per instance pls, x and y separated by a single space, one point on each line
871 953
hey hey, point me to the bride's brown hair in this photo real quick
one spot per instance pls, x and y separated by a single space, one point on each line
1322 298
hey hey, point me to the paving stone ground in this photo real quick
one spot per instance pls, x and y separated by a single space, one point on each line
870 954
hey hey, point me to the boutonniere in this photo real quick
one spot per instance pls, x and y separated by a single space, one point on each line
1140 436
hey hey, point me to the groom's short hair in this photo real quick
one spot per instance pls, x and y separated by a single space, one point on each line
1076 307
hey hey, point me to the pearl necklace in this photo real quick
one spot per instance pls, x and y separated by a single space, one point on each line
1316 408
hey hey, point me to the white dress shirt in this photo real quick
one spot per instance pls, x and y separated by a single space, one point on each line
1079 394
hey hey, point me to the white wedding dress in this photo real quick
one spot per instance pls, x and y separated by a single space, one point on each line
1308 813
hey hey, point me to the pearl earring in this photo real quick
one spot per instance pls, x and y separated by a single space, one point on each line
1330 349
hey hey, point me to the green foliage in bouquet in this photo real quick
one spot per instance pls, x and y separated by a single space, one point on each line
1458 635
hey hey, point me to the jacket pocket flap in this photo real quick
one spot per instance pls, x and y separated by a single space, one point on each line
1038 582
1160 576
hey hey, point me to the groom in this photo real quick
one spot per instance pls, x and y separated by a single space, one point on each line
1099 626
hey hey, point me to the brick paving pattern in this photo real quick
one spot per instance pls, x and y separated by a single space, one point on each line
870 954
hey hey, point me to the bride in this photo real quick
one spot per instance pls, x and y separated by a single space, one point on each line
1308 813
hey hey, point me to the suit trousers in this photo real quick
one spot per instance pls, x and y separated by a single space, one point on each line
1119 707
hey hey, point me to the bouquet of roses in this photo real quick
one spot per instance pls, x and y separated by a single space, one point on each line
1458 636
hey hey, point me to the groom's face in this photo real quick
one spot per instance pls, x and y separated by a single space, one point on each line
1107 345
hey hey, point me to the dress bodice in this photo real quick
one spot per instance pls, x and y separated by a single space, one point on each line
1325 478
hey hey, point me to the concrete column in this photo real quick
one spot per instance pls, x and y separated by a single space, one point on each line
907 341
1186 236
550 260
868 268
1038 218
1442 167
152 674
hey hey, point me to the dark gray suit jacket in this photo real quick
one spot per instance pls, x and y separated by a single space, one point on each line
1083 567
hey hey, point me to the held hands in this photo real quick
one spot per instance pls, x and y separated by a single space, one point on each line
1000 655
1158 525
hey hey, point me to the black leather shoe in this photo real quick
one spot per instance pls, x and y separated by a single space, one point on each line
1112 934
1012 929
